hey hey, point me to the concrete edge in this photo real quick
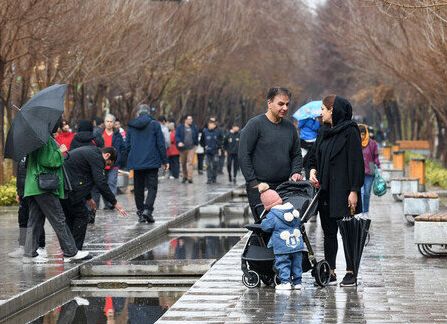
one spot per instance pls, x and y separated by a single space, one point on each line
55 284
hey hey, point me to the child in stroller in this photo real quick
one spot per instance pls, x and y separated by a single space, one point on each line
257 260
284 222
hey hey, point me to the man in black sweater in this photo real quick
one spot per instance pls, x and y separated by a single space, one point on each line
85 169
269 148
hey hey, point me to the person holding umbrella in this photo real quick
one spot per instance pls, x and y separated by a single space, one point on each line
31 135
336 166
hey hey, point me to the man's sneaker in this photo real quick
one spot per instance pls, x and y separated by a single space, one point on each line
42 252
190 181
36 259
297 287
78 256
284 286
234 180
17 253
349 280
171 178
148 216
184 180
141 218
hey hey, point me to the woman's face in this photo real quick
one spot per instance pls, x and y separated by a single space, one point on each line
326 115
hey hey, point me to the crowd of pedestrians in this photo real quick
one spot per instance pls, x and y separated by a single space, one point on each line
88 161
340 159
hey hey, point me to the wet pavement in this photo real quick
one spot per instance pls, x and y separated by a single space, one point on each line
109 231
397 284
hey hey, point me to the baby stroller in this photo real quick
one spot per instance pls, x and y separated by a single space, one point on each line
257 260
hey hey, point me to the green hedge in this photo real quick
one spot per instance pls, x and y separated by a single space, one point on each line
8 193
435 173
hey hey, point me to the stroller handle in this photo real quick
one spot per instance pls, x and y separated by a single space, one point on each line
306 216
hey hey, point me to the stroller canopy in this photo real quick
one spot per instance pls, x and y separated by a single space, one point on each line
297 193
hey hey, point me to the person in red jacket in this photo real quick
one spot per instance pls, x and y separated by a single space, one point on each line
65 136
173 154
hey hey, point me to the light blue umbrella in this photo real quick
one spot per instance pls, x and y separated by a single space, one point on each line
310 110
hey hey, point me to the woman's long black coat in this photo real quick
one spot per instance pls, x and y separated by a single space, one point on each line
346 169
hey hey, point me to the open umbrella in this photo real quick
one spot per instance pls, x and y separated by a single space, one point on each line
33 124
354 231
310 110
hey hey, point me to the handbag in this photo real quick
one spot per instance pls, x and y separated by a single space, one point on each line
48 181
379 185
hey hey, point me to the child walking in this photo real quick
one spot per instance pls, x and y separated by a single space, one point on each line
284 222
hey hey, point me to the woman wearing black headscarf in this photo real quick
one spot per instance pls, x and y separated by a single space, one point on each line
336 164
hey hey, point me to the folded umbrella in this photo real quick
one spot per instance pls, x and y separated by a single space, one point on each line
32 126
354 231
310 110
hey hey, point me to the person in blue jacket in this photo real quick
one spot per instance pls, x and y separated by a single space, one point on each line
309 128
284 222
147 153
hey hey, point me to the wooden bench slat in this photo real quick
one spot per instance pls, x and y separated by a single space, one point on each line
432 217
428 195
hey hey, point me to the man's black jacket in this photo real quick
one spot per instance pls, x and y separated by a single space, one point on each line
85 168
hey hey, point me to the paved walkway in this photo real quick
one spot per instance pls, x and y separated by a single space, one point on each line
109 231
397 285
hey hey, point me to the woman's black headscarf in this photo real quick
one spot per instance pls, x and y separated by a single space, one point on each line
341 119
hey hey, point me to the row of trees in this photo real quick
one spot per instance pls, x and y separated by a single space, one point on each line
395 58
219 57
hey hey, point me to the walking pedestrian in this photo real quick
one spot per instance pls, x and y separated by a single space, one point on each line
231 146
147 153
200 151
112 138
85 169
23 215
336 163
308 135
173 154
84 136
45 203
284 222
65 135
371 161
212 142
186 136
269 147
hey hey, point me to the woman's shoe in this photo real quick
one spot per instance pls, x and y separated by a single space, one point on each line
349 280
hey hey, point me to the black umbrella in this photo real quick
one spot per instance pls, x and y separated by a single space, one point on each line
33 124
354 231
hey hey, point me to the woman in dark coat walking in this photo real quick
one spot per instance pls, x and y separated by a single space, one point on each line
336 164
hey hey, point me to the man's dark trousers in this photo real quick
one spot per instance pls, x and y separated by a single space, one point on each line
77 217
145 178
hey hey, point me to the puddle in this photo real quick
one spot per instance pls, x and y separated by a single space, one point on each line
112 307
191 247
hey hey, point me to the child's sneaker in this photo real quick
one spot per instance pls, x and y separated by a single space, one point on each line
284 286
297 287
349 280
42 252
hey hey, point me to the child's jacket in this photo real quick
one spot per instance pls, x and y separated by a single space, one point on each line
284 222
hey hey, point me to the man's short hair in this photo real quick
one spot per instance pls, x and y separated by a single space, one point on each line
143 109
98 121
162 119
110 116
110 150
276 91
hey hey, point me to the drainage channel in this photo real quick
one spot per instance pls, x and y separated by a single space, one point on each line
140 288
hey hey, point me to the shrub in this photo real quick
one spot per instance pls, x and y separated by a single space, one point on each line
8 193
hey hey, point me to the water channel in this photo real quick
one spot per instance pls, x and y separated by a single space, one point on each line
111 293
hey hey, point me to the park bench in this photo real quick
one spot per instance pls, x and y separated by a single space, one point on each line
418 203
401 185
419 146
388 174
430 234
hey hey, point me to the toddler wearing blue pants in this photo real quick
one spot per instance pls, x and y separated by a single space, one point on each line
284 222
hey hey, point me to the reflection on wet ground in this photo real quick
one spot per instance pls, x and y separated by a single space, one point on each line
112 308
207 247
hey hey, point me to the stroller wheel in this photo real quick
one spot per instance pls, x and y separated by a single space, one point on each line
267 280
322 273
252 280
276 280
